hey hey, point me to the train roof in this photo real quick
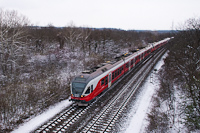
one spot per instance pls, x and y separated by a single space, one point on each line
94 72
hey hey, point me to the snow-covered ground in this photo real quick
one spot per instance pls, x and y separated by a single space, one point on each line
138 115
136 122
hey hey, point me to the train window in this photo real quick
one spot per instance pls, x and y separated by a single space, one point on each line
88 91
113 74
118 71
116 74
127 65
80 79
91 88
138 57
106 80
102 82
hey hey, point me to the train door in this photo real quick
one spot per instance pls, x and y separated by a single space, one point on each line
133 62
141 56
109 79
129 65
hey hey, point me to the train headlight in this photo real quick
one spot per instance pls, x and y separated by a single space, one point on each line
72 95
82 96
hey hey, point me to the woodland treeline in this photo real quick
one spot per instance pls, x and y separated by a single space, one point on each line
37 63
177 103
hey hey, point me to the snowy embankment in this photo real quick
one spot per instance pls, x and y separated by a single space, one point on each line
138 114
42 118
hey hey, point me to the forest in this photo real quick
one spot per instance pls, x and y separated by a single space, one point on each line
177 102
38 63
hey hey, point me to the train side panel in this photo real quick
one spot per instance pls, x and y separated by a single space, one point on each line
100 83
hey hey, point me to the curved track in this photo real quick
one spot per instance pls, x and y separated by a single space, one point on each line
108 108
106 119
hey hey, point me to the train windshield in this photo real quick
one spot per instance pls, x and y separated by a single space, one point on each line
77 88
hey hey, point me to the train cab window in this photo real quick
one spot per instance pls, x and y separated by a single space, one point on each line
102 82
106 80
88 91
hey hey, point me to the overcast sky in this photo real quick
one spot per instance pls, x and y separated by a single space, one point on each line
123 14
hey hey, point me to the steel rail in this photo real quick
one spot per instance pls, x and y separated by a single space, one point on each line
73 113
98 120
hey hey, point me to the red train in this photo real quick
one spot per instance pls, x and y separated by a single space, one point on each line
90 83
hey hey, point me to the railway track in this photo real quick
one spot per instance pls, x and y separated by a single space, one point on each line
62 122
106 119
107 116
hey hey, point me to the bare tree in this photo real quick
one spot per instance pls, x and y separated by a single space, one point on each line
12 40
85 37
181 74
13 51
72 36
61 39
188 67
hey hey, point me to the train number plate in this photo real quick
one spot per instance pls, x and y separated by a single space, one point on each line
76 95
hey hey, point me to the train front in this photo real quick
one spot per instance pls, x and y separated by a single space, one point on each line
77 87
